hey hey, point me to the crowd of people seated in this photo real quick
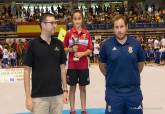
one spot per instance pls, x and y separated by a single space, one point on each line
12 52
93 15
155 49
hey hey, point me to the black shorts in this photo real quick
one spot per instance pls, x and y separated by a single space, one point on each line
78 76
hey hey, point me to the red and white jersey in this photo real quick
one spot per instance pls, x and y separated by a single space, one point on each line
84 43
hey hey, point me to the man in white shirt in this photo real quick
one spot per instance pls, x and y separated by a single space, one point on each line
1 47
5 57
156 44
96 51
13 58
163 42
1 56
150 41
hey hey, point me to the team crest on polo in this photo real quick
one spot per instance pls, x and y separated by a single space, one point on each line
130 49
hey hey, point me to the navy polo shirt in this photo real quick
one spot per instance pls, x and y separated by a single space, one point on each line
122 62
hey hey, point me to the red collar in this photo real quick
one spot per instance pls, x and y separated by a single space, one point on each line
75 31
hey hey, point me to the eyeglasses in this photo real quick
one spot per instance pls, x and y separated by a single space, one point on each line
52 23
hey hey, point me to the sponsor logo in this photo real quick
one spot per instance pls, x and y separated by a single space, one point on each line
114 49
56 49
137 108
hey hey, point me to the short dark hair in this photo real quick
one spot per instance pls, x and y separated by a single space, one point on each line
117 17
77 11
45 15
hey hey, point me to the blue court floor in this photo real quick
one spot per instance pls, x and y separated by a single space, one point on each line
90 111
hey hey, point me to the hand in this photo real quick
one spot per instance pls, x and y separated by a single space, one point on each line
75 48
29 104
79 54
65 98
70 49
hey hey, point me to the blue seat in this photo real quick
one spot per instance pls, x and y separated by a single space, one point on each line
162 25
102 26
147 25
139 25
88 26
131 26
108 26
154 25
157 56
94 26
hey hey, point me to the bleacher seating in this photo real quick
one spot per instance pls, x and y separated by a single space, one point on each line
103 26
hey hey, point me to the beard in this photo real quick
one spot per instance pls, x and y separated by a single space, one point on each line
120 36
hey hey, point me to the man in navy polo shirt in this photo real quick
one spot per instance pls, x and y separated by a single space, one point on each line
121 61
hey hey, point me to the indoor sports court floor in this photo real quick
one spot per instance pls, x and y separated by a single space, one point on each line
153 87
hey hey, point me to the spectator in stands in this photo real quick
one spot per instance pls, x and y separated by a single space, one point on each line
14 44
1 56
5 57
28 11
42 10
163 42
137 15
10 55
20 52
150 42
146 51
1 48
13 8
162 55
156 44
96 50
52 9
47 9
151 54
81 9
13 57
